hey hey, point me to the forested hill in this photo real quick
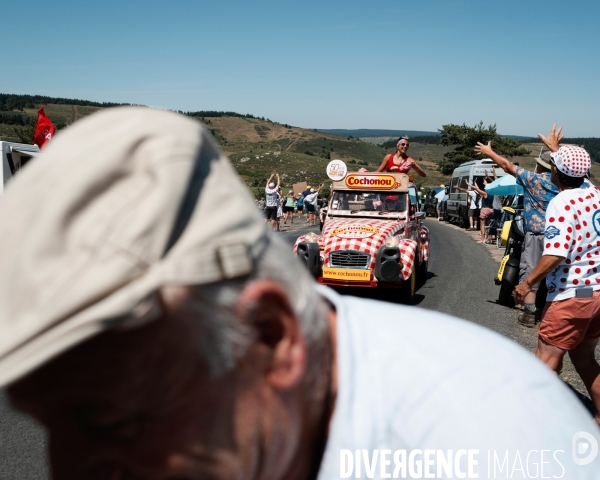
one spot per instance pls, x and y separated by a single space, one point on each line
368 132
591 144
10 102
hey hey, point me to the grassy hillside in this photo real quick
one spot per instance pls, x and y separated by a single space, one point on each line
258 147
61 115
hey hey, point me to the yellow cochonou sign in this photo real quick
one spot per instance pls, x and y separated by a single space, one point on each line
371 182
346 274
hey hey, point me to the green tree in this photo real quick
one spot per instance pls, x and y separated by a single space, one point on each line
465 138
26 133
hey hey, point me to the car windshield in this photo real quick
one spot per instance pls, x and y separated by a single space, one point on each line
357 202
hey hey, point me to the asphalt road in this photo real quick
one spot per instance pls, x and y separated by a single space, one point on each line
460 283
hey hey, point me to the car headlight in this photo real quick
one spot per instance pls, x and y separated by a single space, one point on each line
311 237
391 242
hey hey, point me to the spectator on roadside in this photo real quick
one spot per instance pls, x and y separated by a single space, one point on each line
305 194
474 202
497 207
538 191
288 207
271 195
400 162
261 205
312 201
440 199
300 205
279 209
421 201
486 212
498 200
571 318
180 339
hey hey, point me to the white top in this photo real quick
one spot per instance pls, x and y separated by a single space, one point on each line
312 198
572 231
411 379
271 195
497 202
474 203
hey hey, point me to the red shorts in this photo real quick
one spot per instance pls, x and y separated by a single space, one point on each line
486 213
567 322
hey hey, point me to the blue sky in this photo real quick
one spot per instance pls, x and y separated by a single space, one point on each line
413 65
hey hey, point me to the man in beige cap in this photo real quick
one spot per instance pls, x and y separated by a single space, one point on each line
157 330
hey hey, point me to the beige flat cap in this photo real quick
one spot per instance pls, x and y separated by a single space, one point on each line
116 206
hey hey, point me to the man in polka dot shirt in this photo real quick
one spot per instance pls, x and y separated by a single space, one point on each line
571 265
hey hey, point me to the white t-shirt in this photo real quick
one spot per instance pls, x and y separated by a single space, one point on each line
271 194
572 231
312 198
474 202
411 379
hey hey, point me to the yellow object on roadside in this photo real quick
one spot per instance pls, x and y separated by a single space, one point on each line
505 232
502 265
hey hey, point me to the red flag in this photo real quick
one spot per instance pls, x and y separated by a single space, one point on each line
44 129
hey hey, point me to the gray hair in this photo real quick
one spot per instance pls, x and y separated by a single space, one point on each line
222 339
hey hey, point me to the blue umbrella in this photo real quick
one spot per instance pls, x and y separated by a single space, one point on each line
441 196
506 185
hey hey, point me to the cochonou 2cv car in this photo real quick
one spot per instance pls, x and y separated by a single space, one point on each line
372 236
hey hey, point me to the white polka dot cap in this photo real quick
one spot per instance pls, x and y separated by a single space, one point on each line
572 161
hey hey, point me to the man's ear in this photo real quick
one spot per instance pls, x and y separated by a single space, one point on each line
264 306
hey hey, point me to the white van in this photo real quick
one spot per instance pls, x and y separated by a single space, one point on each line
474 171
14 157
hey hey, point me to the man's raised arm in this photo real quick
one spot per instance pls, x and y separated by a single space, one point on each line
481 192
499 160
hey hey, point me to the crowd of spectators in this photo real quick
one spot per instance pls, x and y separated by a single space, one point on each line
276 207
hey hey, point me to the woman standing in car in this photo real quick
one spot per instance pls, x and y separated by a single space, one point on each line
400 162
